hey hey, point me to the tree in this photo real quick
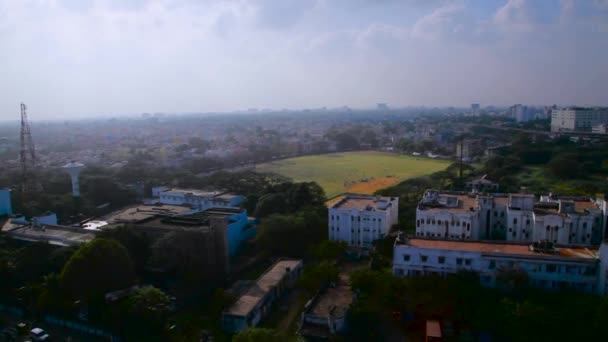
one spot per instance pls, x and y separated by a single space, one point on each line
316 276
96 268
291 234
512 278
565 166
329 250
147 312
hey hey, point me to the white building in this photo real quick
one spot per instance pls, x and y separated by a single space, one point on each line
547 266
199 199
521 113
512 217
577 119
360 219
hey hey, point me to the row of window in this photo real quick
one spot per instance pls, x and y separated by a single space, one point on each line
352 230
439 222
440 259
352 218
445 235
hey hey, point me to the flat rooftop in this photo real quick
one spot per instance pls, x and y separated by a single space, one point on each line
336 300
362 202
464 203
502 248
143 212
258 290
55 235
203 193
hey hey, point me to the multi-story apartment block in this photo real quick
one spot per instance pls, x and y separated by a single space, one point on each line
547 266
360 219
510 217
577 119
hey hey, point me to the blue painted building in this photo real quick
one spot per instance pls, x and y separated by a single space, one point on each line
6 207
240 226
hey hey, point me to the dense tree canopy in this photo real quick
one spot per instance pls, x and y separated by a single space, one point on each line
291 234
96 268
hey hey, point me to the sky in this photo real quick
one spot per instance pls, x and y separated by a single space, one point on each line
80 58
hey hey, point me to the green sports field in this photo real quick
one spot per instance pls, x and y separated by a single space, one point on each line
361 172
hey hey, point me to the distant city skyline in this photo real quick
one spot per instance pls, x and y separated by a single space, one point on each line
84 58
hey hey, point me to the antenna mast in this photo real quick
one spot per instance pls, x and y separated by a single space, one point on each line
27 154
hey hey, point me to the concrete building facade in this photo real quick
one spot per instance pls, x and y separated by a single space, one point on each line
577 119
510 217
358 219
547 266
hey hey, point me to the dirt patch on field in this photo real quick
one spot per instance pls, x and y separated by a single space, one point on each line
372 185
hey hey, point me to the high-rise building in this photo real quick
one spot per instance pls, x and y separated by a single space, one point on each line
521 113
475 107
577 119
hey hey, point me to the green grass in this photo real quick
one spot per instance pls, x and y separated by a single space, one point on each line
340 172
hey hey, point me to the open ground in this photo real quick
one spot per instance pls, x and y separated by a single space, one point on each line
360 172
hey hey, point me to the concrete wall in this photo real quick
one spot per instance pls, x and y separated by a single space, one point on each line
6 207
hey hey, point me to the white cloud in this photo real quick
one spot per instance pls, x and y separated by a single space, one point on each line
443 20
100 56
514 16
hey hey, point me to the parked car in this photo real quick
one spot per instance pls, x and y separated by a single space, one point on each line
38 334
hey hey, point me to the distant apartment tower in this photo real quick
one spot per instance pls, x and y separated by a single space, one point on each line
359 220
468 149
577 119
521 113
381 106
475 107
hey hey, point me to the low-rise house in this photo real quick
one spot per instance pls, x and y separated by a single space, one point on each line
325 314
255 302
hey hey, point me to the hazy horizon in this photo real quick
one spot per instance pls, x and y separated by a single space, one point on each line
81 58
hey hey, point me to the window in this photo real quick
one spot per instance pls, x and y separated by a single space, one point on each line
406 257
584 225
441 260
502 214
551 268
492 264
528 221
433 221
424 258
417 223
467 262
458 261
515 221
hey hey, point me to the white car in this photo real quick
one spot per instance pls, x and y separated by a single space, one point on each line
38 334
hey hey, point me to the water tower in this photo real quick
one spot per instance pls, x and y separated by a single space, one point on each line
74 168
